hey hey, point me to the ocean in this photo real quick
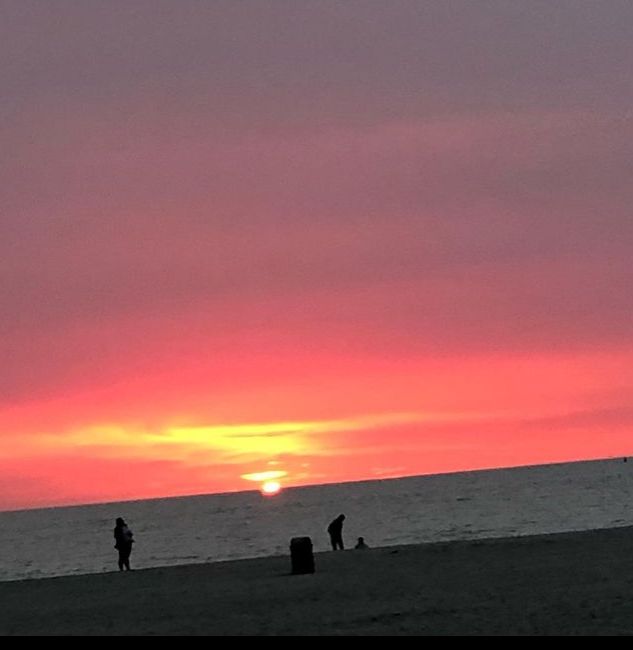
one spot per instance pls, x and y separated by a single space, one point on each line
184 530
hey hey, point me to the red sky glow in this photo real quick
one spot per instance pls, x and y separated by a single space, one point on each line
310 242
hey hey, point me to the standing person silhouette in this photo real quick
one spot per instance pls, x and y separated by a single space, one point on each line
335 529
124 540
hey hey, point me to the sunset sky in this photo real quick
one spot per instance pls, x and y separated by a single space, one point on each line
318 241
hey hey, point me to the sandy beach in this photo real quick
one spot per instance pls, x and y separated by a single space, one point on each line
572 583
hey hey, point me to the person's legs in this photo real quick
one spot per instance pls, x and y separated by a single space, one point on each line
124 559
333 542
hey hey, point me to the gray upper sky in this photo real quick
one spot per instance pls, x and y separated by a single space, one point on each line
445 177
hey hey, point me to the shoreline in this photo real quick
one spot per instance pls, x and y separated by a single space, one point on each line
472 541
558 583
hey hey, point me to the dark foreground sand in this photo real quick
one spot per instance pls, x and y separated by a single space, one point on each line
575 583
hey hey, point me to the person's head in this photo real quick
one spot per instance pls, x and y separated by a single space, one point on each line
361 540
120 522
341 517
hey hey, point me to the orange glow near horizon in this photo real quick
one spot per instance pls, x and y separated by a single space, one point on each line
270 488
77 461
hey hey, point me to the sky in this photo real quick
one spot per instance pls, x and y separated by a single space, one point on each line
313 242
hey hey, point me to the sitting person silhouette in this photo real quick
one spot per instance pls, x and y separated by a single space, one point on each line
361 543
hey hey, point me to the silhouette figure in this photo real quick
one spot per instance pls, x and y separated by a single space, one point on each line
124 540
361 543
335 529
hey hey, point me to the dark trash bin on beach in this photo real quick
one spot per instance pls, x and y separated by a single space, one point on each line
301 555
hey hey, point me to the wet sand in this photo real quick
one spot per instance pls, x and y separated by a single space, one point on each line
564 584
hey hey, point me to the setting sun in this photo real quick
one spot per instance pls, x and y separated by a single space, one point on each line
270 488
